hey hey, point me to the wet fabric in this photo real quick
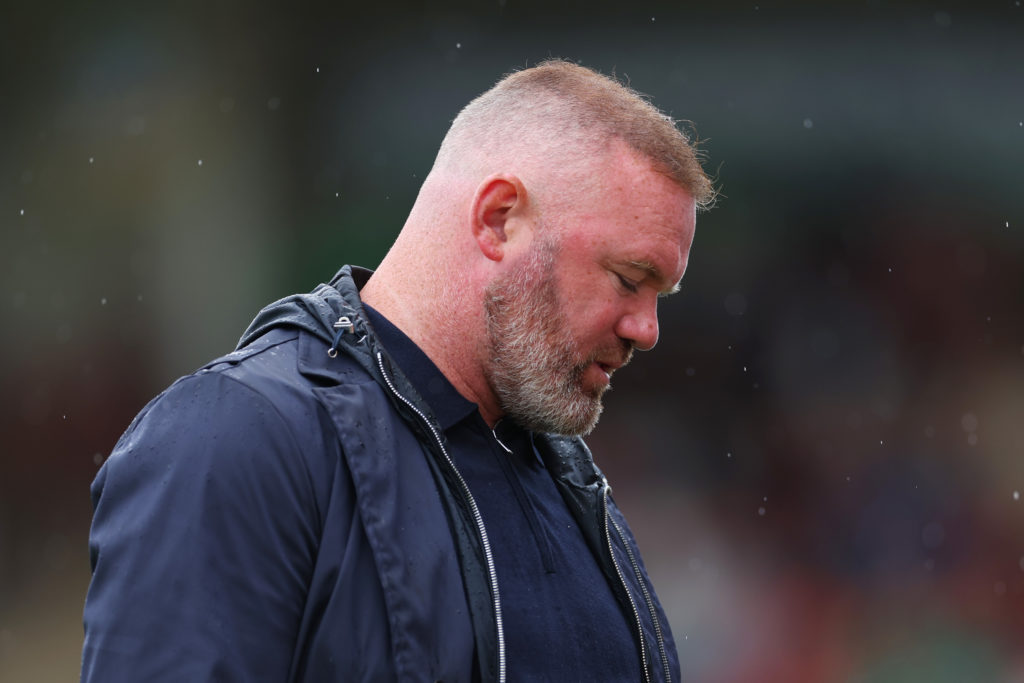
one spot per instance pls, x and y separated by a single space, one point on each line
283 514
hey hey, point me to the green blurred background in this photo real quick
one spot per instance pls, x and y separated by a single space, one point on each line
824 457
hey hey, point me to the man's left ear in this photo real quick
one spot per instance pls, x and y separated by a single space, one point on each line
498 199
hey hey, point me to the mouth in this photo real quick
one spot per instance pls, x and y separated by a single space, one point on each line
607 368
610 363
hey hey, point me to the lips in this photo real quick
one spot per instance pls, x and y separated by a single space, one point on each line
609 367
611 360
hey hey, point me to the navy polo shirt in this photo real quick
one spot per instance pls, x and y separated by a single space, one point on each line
562 622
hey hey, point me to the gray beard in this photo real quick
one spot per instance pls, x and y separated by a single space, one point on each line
536 367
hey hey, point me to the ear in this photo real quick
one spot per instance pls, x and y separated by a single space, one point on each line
499 198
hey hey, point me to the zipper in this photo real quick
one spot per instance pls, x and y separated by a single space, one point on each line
622 579
647 598
492 573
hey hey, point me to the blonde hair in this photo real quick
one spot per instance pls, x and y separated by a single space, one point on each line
562 113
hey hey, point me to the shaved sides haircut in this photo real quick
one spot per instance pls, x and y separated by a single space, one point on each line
561 113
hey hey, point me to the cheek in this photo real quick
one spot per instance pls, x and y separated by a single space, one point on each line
592 321
589 303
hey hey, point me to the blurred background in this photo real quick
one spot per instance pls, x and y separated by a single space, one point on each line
823 459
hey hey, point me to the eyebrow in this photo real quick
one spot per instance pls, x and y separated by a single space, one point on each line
656 275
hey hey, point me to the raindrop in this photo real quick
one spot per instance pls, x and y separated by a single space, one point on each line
97 458
744 368
458 46
1016 495
890 269
22 212
728 455
318 69
808 123
881 442
690 372
969 422
139 297
652 18
761 512
103 301
337 194
200 162
1007 223
972 439
91 159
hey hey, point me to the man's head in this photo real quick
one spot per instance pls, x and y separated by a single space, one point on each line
560 207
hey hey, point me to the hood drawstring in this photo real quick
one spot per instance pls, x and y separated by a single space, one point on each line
342 326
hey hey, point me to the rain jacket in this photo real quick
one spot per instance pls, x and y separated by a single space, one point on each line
289 512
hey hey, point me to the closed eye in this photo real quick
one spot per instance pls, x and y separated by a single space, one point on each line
628 284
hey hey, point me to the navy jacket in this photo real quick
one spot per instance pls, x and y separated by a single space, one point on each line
289 513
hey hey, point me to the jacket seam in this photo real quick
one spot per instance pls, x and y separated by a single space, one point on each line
288 428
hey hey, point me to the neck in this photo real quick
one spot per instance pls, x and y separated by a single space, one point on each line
430 303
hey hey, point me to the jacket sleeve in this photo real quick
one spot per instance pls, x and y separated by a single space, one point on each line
204 536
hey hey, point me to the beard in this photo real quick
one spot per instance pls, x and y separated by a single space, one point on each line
537 368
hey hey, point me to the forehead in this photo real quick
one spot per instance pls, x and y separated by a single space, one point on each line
632 213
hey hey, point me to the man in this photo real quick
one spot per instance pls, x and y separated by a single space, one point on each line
385 480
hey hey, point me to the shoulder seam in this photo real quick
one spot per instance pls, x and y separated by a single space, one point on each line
280 417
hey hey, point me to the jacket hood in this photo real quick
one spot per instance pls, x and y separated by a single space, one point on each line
315 312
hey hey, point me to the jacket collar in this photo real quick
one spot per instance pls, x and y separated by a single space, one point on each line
316 313
335 324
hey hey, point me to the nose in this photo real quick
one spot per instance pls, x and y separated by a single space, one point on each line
640 325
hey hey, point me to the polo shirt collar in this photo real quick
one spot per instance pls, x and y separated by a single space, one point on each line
448 405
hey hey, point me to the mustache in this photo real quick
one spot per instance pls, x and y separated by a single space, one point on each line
619 354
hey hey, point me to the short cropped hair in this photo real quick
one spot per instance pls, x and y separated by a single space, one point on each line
567 109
